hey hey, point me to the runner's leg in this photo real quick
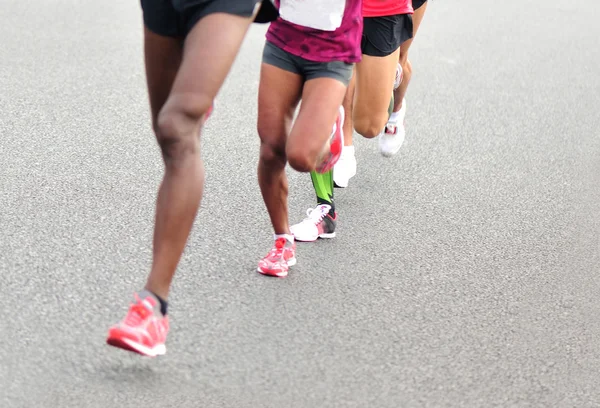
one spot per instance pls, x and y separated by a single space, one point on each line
345 168
348 105
207 59
400 92
374 83
321 100
375 74
182 84
278 96
394 134
279 93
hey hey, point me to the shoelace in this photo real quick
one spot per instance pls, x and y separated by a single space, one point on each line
277 250
315 215
137 313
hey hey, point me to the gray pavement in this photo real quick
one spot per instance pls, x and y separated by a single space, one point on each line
465 272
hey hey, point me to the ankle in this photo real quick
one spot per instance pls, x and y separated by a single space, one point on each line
161 300
288 237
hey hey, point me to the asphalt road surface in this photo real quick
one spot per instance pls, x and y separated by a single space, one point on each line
465 272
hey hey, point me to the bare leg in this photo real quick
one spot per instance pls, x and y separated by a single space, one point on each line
400 92
278 96
205 63
321 101
348 105
374 84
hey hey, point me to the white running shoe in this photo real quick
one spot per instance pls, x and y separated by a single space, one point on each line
317 224
345 168
392 137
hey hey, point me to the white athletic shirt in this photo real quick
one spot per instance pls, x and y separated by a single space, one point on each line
325 15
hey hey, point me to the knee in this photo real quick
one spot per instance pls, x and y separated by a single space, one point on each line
369 127
272 152
300 159
272 155
177 127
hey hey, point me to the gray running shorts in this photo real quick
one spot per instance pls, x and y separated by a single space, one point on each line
279 58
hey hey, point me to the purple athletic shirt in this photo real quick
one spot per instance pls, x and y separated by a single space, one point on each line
342 44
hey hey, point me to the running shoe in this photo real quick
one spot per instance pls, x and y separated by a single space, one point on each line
318 224
144 329
279 259
345 168
398 79
336 143
392 137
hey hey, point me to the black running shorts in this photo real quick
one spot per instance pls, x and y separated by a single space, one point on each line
267 13
383 35
176 18
416 4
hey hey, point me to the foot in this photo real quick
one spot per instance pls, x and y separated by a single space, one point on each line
392 137
144 329
279 259
336 143
345 168
317 224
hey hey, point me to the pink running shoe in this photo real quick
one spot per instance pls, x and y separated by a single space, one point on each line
144 329
279 259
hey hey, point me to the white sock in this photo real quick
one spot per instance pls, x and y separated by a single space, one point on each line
288 237
394 117
349 149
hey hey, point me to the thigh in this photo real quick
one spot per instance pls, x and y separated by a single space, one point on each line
208 54
163 49
162 59
321 101
375 74
416 20
374 85
278 95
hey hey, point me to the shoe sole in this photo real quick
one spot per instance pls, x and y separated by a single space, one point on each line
338 185
275 275
290 263
128 345
388 154
322 236
342 185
